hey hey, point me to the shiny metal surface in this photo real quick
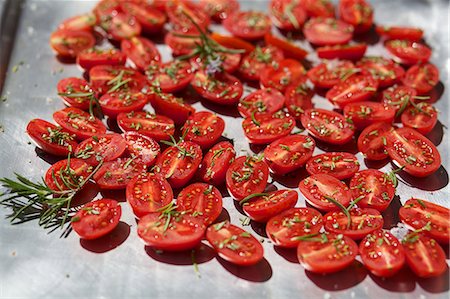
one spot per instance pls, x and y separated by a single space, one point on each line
36 265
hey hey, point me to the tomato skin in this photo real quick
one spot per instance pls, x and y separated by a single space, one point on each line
262 208
283 74
398 96
232 42
248 25
234 244
176 11
57 142
69 43
172 107
85 22
327 31
230 62
80 170
107 147
358 13
422 77
141 51
104 77
245 176
204 128
202 201
298 99
289 49
364 114
327 126
115 175
141 146
222 88
261 101
314 8
79 123
72 85
411 149
317 187
91 225
327 75
219 9
372 139
385 71
337 253
151 19
408 52
155 126
266 128
172 76
122 102
89 58
257 60
421 250
416 213
288 153
147 193
395 32
180 45
120 26
382 254
340 165
357 88
106 7
215 163
284 227
347 52
422 118
280 18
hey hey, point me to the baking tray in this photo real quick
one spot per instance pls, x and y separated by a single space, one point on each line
34 264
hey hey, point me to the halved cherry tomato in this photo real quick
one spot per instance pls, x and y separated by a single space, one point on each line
281 75
382 253
106 7
216 162
358 13
155 126
75 92
96 219
320 190
85 22
408 52
329 74
351 51
141 51
67 174
79 123
245 176
115 175
327 253
172 76
327 31
100 148
171 106
230 62
422 77
263 206
179 163
202 201
357 88
181 45
221 88
204 128
89 58
248 25
363 114
219 9
398 97
323 8
372 141
290 50
108 78
412 150
287 14
340 165
150 19
120 26
234 244
396 32
256 61
382 69
284 228
148 193
327 126
69 43
424 255
232 42
122 102
417 213
141 146
288 153
261 101
50 138
181 14
421 116
266 128
298 99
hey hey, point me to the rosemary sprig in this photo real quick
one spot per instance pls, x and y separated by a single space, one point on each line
243 201
117 82
173 143
344 209
413 236
93 101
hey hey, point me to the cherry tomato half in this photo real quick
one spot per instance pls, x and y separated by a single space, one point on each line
172 76
266 128
100 148
350 52
79 123
263 206
422 117
67 174
69 43
171 106
422 77
358 13
402 33
257 60
204 128
120 26
115 175
327 31
122 102
363 114
281 75
384 70
89 58
372 141
248 25
340 165
75 92
141 51
154 126
329 74
357 88
151 19
85 22
298 99
216 162
141 146
219 9
323 8
287 14
261 101
408 52
221 88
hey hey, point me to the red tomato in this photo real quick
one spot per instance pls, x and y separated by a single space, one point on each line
219 9
248 25
358 13
75 92
148 193
154 126
256 61
120 26
327 31
281 75
320 189
422 117
314 8
181 45
50 138
284 228
351 51
266 128
232 42
385 71
177 11
96 219
327 126
79 123
221 88
216 162
67 174
341 165
263 206
122 102
89 58
172 107
151 19
298 99
172 76
417 213
424 256
412 150
402 33
398 97
108 78
382 253
234 244
327 75
363 114
141 51
230 62
106 7
327 253
202 201
288 153
100 148
179 163
141 146
357 88
204 128
261 101
372 141
85 22
290 50
68 43
115 175
245 176
287 14
408 52
422 77
176 232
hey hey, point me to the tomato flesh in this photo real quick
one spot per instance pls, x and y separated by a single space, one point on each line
372 141
248 25
298 99
357 88
67 174
69 43
141 51
327 31
204 128
328 74
281 75
262 208
422 77
262 101
222 88
408 52
422 117
257 60
115 175
215 163
89 58
358 13
172 76
157 127
287 14
340 165
171 106
122 102
141 146
364 114
266 128
385 71
100 148
79 123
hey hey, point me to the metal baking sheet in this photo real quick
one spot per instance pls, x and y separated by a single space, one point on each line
34 264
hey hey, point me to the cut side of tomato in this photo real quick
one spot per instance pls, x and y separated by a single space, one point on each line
298 98
222 88
340 165
422 117
248 25
141 51
67 174
358 13
281 75
357 88
84 22
89 58
216 163
115 175
402 33
75 92
203 128
408 52
69 43
100 148
323 8
261 101
327 31
158 127
151 19
266 128
384 70
263 207
328 74
181 45
79 123
372 141
120 26
171 106
109 78
287 15
172 76
422 77
364 114
219 9
399 97
114 103
141 146
257 60
182 13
